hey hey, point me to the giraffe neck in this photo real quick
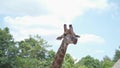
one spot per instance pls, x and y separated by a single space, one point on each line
59 57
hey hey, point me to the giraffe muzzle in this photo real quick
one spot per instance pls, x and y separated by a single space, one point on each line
74 41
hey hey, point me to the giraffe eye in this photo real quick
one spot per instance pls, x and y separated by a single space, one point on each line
65 34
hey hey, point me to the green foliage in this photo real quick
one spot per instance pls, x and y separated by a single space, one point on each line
29 63
7 49
5 41
33 47
89 62
50 57
117 55
29 53
33 53
68 62
106 63
81 66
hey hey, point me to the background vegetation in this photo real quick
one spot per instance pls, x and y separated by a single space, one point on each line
33 53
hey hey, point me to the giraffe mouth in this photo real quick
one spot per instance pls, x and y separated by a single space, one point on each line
74 41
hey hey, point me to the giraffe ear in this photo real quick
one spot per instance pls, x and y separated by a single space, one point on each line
59 38
77 36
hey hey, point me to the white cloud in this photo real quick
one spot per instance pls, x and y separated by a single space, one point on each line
57 12
65 9
91 38
28 25
93 51
27 21
21 7
44 26
69 9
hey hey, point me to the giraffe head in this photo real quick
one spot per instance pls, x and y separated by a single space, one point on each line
69 36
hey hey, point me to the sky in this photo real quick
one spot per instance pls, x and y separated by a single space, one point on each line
96 21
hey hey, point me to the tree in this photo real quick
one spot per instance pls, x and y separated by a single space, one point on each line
81 66
29 53
33 47
117 55
89 62
7 49
50 58
33 50
106 63
68 61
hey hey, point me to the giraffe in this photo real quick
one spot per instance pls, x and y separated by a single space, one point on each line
68 37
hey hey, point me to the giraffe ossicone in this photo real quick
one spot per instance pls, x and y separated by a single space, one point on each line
68 37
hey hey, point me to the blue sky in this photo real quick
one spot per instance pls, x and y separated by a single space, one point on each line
96 21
